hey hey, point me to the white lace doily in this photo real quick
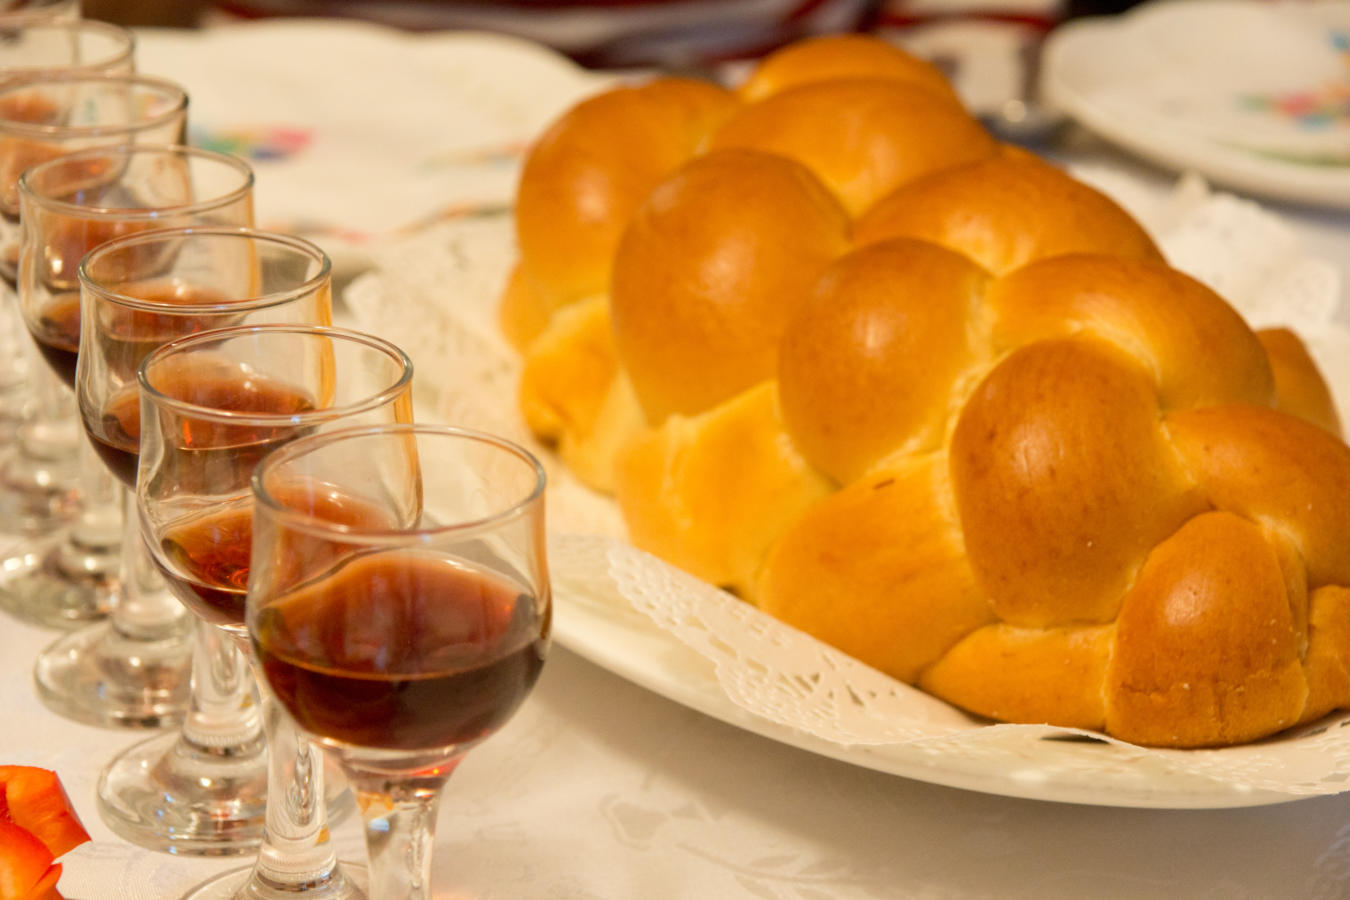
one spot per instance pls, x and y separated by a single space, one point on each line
435 294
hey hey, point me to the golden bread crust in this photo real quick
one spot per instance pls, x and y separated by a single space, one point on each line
1004 212
840 56
713 492
879 570
593 168
868 363
1206 652
711 268
862 138
1299 386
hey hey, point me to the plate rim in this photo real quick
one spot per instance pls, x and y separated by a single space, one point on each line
1324 186
590 634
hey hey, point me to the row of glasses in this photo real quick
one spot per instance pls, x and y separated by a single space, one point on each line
42 484
421 592
131 669
70 578
202 441
203 791
200 788
200 791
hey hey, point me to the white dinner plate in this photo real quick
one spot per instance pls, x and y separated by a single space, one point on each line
604 629
1253 95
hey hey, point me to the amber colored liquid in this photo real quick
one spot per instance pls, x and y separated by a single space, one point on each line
66 239
117 434
205 562
129 335
57 333
403 651
117 439
205 558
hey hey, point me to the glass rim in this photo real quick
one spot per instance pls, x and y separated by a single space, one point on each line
215 335
50 204
262 301
171 89
393 537
39 21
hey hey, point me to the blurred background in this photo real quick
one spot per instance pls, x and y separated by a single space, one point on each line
626 33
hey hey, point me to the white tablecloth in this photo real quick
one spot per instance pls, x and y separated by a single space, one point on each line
602 791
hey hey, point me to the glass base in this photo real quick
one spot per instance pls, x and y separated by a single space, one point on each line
56 582
99 676
350 882
166 793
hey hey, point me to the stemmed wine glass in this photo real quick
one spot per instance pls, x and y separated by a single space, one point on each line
67 579
398 603
133 668
201 789
212 406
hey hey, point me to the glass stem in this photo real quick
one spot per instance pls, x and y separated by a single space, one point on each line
296 854
145 610
54 432
221 713
400 825
100 520
42 471
94 541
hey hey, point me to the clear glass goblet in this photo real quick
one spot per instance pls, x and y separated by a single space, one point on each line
67 578
399 606
131 669
200 790
212 406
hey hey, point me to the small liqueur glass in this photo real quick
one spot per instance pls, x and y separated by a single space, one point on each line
132 669
399 606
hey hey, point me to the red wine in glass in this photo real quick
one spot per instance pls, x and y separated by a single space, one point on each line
204 557
205 560
117 436
131 336
403 650
57 332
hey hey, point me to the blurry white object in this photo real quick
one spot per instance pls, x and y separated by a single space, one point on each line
377 130
1252 94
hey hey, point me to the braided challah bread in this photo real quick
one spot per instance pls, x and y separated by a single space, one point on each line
934 401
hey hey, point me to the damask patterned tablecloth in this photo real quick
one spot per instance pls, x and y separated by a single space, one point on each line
599 789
